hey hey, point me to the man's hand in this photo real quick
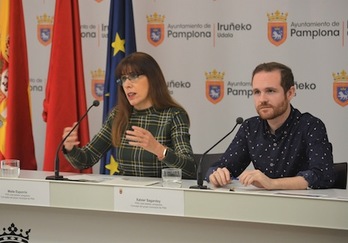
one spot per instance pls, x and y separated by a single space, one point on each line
256 178
220 177
260 180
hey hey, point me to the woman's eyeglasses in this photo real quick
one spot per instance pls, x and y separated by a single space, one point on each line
132 77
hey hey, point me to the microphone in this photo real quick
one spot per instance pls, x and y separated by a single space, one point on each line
200 185
56 175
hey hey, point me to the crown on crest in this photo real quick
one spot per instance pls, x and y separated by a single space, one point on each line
12 234
44 19
98 74
277 16
155 18
340 77
214 75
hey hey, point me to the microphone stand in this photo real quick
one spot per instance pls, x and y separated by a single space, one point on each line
200 185
56 175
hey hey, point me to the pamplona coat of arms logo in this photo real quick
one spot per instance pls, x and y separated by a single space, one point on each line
13 234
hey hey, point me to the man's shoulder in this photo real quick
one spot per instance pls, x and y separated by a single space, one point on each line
306 116
254 120
309 120
252 123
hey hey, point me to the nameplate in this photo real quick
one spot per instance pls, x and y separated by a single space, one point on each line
149 200
24 192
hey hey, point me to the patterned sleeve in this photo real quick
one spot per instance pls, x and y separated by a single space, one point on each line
89 155
180 154
320 173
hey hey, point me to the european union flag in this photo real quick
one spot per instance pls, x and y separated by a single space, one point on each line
121 42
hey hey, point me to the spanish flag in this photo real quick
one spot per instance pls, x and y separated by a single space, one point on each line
16 135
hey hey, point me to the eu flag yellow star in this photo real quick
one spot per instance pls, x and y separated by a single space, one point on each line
113 166
118 44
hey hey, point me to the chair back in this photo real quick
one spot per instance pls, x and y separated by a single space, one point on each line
208 160
341 175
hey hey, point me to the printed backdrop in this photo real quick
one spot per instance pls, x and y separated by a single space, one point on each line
207 50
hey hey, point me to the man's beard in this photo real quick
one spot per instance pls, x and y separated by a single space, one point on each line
276 111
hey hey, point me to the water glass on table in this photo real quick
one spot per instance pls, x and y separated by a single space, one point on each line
10 168
171 177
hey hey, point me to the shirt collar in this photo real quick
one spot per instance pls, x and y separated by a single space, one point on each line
293 116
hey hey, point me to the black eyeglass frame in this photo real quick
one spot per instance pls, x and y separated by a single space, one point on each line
132 77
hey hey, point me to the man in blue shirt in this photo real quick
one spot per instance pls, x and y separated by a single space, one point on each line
289 149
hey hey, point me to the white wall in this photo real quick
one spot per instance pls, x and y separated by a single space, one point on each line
185 60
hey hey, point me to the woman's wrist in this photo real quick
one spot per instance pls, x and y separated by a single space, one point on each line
163 154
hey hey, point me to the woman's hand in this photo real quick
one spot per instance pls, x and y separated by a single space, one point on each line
143 138
72 140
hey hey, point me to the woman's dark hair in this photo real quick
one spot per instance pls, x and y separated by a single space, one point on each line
142 64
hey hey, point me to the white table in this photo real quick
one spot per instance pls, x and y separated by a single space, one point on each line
64 211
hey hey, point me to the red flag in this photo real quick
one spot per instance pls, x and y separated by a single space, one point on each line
65 100
16 133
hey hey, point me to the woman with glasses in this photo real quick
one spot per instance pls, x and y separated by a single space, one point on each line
149 130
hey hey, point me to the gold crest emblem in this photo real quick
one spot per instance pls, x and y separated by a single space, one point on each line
44 29
277 28
340 88
97 84
214 86
155 29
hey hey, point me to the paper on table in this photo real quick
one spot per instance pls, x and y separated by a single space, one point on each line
135 181
302 193
116 180
85 178
235 185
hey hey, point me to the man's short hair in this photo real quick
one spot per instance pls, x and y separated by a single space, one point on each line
287 78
